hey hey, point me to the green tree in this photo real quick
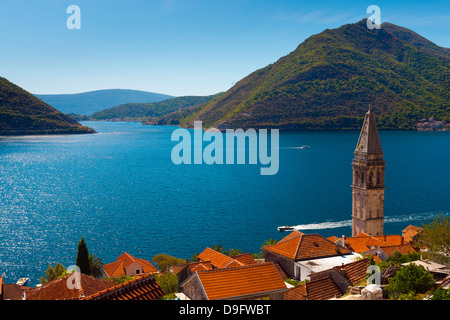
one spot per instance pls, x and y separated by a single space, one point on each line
53 273
436 236
218 248
410 280
440 294
164 261
233 252
260 255
83 258
96 265
398 258
168 282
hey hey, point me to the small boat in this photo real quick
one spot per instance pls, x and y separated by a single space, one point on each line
285 228
22 281
305 147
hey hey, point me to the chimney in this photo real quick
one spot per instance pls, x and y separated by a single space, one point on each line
343 241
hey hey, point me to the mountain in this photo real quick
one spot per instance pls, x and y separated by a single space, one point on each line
23 113
155 109
330 79
89 102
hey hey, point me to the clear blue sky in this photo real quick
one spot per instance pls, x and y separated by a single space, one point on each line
177 47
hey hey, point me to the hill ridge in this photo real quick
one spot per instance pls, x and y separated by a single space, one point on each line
329 80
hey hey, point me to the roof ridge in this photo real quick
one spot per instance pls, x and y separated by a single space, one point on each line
297 249
239 267
119 286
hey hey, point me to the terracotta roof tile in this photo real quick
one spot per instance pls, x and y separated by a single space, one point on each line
364 242
412 228
200 266
141 288
177 268
220 260
217 259
300 246
117 268
355 271
320 289
59 290
230 283
403 249
245 259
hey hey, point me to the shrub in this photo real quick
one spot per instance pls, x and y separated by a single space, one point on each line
410 279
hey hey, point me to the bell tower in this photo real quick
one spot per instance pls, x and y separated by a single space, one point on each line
368 181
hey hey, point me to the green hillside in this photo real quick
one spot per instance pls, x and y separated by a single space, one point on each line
87 103
149 110
331 78
22 113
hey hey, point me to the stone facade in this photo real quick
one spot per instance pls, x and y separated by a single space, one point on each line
368 181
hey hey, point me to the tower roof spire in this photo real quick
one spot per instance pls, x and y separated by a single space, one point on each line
369 141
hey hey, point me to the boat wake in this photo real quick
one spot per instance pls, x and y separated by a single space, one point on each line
388 219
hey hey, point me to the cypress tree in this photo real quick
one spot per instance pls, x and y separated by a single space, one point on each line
83 258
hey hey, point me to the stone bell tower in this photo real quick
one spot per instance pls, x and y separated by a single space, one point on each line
368 181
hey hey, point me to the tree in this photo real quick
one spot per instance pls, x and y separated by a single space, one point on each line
96 265
53 273
440 294
398 258
410 280
164 261
83 258
168 282
233 252
218 248
260 255
436 236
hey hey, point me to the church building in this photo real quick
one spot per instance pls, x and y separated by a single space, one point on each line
368 181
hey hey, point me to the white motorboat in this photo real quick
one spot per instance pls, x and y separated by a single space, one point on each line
22 281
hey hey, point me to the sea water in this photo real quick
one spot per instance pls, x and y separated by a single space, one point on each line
120 190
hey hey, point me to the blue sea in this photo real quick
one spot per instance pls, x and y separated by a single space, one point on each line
120 190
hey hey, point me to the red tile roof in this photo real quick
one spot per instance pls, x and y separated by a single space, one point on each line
322 286
200 266
412 228
245 258
11 291
320 289
230 283
355 271
141 288
364 242
217 259
117 268
60 290
220 260
403 249
300 246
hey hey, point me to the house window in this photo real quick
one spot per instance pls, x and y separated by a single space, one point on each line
138 271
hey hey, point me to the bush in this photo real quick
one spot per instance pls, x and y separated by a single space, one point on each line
440 294
165 261
408 281
168 282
